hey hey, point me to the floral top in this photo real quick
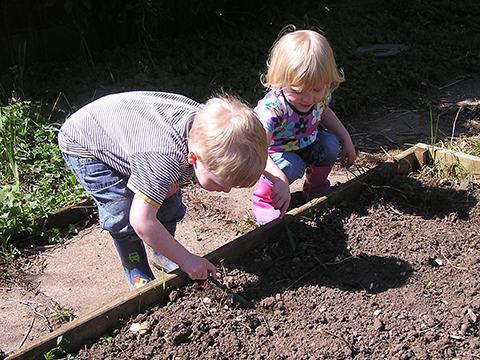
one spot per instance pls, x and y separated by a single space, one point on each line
291 130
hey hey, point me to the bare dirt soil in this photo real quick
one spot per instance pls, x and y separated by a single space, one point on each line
393 275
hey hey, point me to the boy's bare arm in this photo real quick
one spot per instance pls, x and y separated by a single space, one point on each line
143 219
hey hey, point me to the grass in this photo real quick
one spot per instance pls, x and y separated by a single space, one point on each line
471 146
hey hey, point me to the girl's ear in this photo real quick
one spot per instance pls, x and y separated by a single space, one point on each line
192 158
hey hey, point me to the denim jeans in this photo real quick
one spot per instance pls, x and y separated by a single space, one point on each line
109 190
323 152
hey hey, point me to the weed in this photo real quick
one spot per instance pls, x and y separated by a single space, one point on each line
62 343
245 225
202 229
290 235
433 136
164 284
429 285
62 316
471 146
8 253
106 339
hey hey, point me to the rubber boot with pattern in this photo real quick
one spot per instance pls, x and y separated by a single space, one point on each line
134 260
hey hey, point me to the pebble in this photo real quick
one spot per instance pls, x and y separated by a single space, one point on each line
263 331
378 325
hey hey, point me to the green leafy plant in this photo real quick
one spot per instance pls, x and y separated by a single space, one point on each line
62 316
11 134
36 180
106 339
62 343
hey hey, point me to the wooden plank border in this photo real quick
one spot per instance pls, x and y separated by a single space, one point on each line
109 316
469 163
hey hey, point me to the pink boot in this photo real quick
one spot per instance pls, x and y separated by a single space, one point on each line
262 206
316 182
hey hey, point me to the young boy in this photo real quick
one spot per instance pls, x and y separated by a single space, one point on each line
132 150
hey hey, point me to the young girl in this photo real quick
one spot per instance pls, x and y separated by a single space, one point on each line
301 76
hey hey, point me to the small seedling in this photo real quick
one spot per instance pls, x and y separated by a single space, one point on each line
289 235
244 225
433 135
106 339
429 284
62 316
61 344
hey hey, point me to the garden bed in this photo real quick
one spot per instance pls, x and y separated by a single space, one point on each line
385 266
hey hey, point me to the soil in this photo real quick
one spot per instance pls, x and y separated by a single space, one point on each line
392 275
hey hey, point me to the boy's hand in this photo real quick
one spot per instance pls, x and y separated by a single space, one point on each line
199 268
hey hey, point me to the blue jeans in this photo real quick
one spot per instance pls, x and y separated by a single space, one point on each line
323 152
109 190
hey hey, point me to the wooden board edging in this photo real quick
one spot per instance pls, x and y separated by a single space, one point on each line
469 163
102 320
106 318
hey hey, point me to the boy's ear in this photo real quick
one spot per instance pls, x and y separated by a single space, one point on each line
192 158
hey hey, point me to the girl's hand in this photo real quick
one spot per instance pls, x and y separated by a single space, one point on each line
331 122
198 267
281 196
348 154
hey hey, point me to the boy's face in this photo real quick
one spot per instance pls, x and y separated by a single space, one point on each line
205 178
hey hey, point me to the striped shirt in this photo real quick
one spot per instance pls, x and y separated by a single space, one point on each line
141 134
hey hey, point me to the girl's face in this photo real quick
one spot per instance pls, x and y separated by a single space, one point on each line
303 101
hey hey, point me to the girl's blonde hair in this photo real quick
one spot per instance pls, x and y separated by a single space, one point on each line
231 141
304 60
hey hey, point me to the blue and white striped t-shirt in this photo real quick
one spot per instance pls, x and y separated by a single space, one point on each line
141 134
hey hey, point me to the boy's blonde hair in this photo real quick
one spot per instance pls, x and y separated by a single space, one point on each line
304 60
231 141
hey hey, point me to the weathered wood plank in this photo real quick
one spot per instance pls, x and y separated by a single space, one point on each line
469 163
